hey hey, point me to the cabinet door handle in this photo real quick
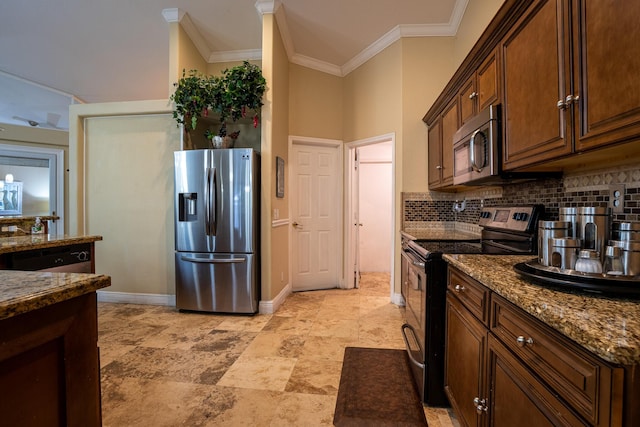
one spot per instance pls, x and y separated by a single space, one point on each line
562 105
522 341
459 288
480 404
438 167
473 95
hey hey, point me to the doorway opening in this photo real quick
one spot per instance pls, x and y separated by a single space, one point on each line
41 174
370 215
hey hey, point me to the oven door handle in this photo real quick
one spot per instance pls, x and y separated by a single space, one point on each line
406 342
413 260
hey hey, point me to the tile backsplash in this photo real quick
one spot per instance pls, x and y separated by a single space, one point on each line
575 189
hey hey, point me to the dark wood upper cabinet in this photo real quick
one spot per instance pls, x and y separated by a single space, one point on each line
606 72
535 129
480 90
566 73
570 80
434 159
440 148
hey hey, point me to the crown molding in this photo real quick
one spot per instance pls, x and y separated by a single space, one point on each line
275 7
316 64
267 6
458 13
172 14
235 55
395 34
181 17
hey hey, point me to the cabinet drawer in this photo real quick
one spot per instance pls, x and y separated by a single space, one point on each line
473 295
585 382
517 397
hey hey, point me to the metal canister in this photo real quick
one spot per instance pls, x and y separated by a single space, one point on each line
563 252
630 256
548 230
625 231
593 228
569 215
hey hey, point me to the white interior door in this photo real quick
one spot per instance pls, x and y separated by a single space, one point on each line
315 213
355 215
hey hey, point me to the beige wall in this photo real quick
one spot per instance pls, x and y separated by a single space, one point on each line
129 200
476 18
427 66
373 96
275 135
189 57
315 103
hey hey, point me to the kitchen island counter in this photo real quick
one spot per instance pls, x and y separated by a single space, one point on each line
49 364
41 241
26 291
608 327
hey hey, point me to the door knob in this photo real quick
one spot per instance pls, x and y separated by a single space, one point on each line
295 224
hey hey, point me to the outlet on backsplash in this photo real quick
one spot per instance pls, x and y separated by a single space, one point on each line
616 198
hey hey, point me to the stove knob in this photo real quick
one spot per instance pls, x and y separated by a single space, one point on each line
516 216
524 216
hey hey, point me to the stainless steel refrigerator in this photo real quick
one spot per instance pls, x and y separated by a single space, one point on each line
217 211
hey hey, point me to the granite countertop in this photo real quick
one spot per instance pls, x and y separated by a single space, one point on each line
40 241
17 218
608 327
24 291
438 234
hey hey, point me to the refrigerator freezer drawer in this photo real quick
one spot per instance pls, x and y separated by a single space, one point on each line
217 283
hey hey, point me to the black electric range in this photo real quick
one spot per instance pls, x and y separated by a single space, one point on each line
504 230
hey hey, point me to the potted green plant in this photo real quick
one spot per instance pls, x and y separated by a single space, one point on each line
191 100
232 95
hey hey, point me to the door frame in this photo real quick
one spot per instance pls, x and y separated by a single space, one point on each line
55 156
349 240
322 142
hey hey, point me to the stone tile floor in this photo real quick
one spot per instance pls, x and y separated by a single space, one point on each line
160 367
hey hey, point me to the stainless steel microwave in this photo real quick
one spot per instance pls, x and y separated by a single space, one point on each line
477 150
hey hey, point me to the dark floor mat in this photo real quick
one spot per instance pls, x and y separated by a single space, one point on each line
376 389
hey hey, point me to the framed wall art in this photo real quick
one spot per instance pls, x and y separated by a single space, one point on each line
279 177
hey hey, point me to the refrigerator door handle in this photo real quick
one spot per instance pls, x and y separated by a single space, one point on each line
210 200
213 260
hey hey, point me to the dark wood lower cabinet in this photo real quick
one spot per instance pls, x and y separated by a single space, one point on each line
49 368
464 361
509 369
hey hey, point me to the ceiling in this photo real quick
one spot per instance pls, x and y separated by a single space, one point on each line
57 52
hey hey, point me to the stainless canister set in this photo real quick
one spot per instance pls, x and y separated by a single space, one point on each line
585 240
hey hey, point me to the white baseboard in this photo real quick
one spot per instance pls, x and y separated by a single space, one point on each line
270 307
397 299
131 298
265 307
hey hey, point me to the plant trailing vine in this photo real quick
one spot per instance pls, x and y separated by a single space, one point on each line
239 89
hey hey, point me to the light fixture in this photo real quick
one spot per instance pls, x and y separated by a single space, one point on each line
8 178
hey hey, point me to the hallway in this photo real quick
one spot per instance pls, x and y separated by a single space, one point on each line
165 368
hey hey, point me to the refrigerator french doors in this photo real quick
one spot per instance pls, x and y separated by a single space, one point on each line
217 205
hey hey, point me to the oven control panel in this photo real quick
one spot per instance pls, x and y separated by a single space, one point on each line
513 218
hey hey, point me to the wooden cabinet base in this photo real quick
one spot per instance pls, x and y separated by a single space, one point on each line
49 368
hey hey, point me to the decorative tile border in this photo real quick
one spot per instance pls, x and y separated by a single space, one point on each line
628 175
